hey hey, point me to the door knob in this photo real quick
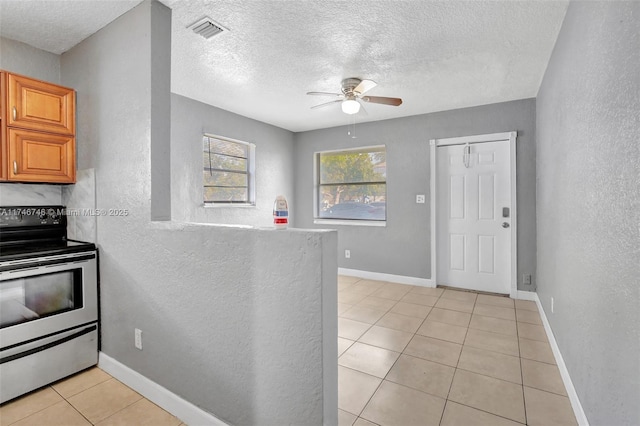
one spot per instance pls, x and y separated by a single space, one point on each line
505 225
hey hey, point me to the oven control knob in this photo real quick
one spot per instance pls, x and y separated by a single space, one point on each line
42 215
53 214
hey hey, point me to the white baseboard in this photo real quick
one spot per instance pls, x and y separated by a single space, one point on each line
401 279
169 401
568 384
527 295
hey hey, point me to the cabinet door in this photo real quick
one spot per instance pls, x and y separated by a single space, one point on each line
36 105
3 127
41 157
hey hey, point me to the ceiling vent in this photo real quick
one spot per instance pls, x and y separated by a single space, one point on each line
207 27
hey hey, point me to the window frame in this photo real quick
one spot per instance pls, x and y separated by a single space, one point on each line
316 190
250 173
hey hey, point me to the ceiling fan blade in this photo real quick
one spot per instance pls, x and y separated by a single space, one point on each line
325 94
382 100
365 86
325 104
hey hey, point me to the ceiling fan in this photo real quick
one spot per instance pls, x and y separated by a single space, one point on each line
353 90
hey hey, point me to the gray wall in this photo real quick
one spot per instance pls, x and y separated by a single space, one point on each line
403 247
588 205
228 325
161 128
23 59
274 159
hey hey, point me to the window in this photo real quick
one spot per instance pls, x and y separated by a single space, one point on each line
352 184
228 171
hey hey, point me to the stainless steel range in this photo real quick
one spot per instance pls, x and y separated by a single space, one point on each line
48 300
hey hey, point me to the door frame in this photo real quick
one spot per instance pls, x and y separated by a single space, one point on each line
491 137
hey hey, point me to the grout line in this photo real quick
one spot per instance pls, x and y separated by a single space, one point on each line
486 375
452 310
547 391
447 323
124 408
442 340
494 332
524 402
78 411
446 400
28 395
502 319
373 346
462 345
485 411
381 347
404 315
90 387
497 306
455 369
371 397
534 340
53 389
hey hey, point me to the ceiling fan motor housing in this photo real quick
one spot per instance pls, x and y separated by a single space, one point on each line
353 90
348 84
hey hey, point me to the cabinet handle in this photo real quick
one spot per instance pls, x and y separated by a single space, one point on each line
15 113
15 167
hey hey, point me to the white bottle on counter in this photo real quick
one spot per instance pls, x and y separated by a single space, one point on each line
280 212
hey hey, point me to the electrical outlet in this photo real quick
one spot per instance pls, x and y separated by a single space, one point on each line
347 254
552 305
138 338
420 199
526 279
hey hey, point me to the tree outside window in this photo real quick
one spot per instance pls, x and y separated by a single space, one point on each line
352 184
228 171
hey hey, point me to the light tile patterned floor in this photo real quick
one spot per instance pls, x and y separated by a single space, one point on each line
431 356
91 397
407 356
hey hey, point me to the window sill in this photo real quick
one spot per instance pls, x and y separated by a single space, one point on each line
218 206
353 222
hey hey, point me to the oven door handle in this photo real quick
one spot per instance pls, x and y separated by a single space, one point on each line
30 348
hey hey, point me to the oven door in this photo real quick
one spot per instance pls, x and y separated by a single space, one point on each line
45 296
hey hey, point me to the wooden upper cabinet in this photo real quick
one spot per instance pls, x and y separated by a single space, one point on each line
36 105
3 127
38 131
41 157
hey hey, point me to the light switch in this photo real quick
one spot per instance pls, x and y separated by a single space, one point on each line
420 199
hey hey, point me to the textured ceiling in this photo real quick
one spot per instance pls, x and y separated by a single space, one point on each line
435 55
57 25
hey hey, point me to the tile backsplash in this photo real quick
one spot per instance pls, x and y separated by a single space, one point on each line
27 194
80 200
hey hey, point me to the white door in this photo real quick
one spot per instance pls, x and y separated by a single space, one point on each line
473 216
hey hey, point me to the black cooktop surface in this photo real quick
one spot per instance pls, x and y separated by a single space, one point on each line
39 249
36 231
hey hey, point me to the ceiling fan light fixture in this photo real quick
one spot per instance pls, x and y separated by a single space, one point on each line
352 95
350 106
